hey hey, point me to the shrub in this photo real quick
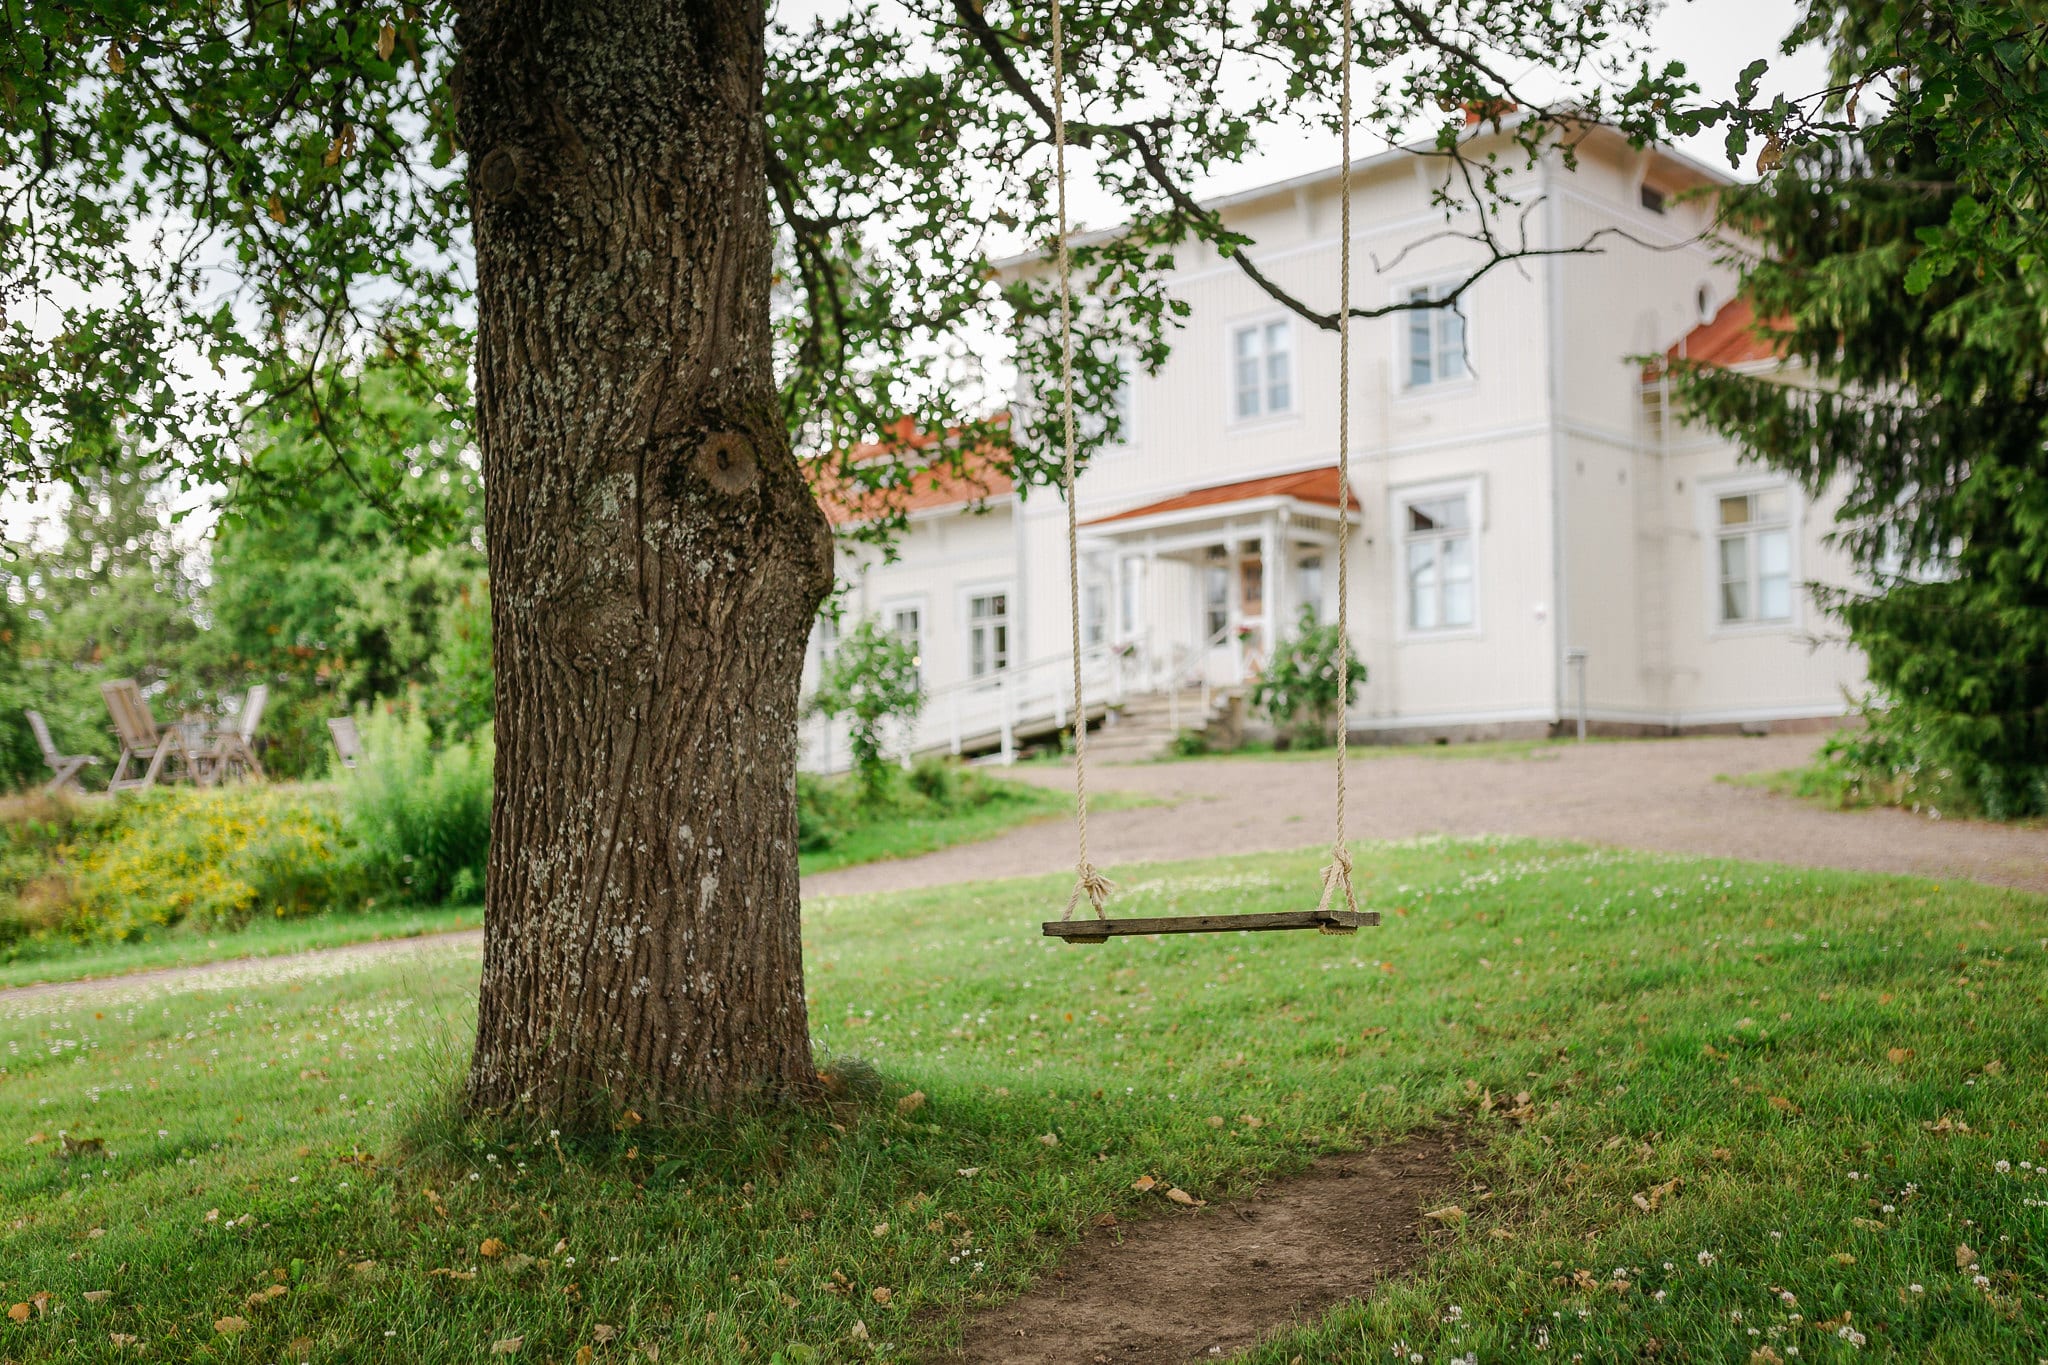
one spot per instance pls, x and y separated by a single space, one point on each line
871 680
1299 689
212 858
421 816
1190 743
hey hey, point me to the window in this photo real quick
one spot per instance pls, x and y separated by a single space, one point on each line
906 623
1262 369
1753 556
1437 556
1310 587
1094 613
1651 198
1215 600
826 637
988 633
1092 427
1436 338
1133 594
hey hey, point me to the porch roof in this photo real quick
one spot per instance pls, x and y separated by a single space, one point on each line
1319 486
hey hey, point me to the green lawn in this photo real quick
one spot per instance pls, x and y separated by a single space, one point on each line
995 806
1821 1086
36 960
906 834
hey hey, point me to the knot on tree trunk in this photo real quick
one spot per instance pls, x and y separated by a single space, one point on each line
726 462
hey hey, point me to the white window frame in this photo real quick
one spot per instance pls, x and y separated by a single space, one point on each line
1008 592
1473 489
1262 323
1711 491
919 604
1437 382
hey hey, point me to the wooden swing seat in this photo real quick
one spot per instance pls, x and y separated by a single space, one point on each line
1102 930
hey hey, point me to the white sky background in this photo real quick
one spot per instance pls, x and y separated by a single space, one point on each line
1714 38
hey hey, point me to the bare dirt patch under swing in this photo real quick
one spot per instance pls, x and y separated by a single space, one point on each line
1209 1283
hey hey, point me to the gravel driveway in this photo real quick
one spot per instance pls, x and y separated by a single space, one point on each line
1652 794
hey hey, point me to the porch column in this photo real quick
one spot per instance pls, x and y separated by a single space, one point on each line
1270 569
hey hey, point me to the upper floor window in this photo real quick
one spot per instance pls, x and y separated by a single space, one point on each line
1753 556
1436 550
1436 338
1262 369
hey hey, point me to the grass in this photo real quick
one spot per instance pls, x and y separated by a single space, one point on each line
906 834
40 960
898 834
1821 1085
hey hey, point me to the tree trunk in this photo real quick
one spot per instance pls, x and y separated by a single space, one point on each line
656 562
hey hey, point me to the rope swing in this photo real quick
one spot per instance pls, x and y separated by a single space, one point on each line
1329 916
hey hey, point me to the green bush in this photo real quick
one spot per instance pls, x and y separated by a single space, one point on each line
871 679
1190 743
421 817
209 858
1299 691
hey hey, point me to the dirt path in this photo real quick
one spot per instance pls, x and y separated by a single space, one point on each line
1659 794
1210 1282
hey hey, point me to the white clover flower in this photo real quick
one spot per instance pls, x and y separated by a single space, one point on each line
1705 1258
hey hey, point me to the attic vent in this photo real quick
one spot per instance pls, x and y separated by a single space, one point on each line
1653 199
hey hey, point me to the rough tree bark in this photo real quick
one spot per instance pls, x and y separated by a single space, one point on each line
656 562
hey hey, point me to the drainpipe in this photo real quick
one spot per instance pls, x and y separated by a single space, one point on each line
1560 612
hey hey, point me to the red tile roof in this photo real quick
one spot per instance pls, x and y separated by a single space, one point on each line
1732 338
1312 485
975 477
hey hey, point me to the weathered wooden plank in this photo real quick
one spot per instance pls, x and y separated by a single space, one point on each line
1099 930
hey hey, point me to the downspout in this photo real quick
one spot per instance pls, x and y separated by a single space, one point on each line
1560 614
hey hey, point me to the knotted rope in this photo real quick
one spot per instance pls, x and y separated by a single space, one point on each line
1337 876
1087 881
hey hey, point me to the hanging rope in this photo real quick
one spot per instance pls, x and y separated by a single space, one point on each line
1337 876
1087 881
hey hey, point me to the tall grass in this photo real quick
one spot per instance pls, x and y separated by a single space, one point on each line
421 816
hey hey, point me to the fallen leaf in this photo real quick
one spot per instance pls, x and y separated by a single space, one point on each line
970 1171
604 1332
1965 1258
364 1267
910 1104
630 1119
1764 1355
880 1230
387 39
1500 1234
1143 1183
98 1295
860 1331
1723 1154
516 1262
1843 1258
18 1313
1994 1067
507 1346
1215 1120
585 1355
453 1274
1449 1213
1900 1055
1783 1105
263 1296
1248 1121
1868 1224
1050 1140
492 1247
122 1338
1105 1220
882 1294
229 1326
1181 1196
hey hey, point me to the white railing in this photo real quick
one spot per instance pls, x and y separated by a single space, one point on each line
995 713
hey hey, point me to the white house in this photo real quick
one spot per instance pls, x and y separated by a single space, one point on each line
1523 523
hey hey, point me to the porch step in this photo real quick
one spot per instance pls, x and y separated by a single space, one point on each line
1144 728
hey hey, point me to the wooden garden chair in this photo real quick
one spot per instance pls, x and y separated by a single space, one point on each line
66 766
348 742
234 750
160 753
